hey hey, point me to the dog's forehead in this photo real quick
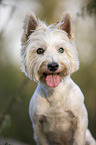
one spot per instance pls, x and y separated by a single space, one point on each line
49 35
57 35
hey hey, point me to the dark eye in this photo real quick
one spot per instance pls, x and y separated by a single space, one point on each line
40 51
61 50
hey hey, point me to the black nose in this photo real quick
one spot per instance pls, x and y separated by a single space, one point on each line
53 66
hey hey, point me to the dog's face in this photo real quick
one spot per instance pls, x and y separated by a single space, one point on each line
48 52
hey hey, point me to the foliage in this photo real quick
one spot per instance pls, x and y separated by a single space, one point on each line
7 143
89 8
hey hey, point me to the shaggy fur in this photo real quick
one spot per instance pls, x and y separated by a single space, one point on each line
57 109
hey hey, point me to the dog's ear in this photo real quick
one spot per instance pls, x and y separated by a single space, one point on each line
30 25
66 24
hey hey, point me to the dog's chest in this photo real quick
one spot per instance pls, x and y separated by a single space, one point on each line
58 125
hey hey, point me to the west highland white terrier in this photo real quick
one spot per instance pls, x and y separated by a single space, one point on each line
57 109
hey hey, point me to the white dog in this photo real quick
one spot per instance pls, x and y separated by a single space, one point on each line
57 109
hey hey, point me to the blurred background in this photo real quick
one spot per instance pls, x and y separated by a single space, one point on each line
15 88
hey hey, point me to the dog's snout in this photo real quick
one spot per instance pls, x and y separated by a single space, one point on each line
53 66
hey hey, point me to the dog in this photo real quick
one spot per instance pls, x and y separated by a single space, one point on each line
49 57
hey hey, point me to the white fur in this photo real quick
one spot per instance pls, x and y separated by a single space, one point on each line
58 114
52 40
66 97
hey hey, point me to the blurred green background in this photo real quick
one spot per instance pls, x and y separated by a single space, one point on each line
15 88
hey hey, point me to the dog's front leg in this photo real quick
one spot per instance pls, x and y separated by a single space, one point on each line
80 134
39 136
82 122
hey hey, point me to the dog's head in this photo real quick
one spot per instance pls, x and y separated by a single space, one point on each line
48 52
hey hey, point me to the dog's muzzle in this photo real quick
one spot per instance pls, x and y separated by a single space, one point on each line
52 76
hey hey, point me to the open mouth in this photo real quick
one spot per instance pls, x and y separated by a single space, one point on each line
52 79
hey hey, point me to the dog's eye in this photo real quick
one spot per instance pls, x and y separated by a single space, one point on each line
61 50
40 51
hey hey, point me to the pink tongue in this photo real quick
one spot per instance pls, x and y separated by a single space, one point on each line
52 80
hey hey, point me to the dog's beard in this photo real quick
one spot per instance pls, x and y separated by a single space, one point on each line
52 79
